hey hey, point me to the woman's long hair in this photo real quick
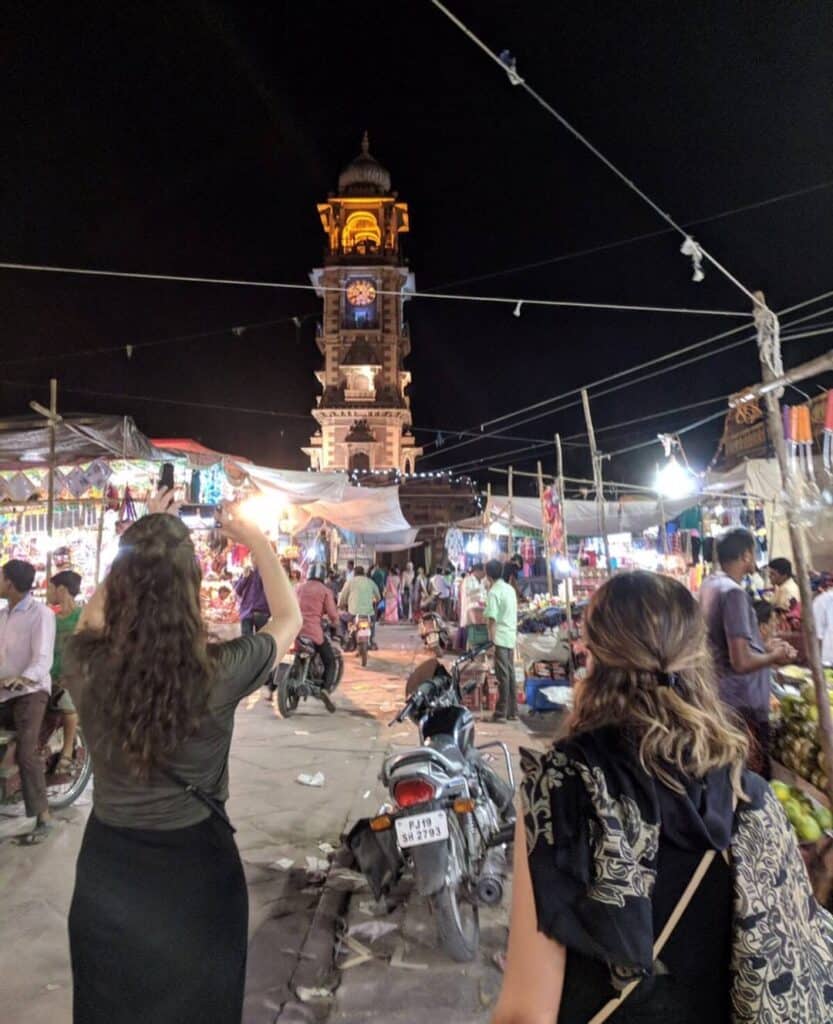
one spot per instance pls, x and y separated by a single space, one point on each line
149 668
651 676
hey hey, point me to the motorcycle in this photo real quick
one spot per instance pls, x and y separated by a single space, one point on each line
61 789
434 632
304 676
451 816
359 636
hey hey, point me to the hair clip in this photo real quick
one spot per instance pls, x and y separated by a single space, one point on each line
671 679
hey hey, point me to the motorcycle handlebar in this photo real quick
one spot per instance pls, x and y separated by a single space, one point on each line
475 652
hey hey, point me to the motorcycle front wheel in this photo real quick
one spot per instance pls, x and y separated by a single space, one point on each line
287 695
363 652
458 924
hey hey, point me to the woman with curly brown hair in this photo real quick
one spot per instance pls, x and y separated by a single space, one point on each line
158 924
655 878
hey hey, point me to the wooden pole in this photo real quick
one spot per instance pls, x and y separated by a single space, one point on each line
662 518
50 504
597 476
798 539
568 582
510 551
546 532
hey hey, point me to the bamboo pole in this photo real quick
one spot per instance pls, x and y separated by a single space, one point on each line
50 501
798 537
597 477
546 532
568 582
99 541
511 510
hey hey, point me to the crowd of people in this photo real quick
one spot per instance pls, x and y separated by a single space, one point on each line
637 833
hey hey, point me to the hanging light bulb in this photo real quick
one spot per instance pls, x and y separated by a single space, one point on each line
674 480
517 309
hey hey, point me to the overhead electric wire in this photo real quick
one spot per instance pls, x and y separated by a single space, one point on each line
721 413
482 436
562 120
645 236
442 296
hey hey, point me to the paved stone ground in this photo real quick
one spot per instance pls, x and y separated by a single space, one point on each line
279 821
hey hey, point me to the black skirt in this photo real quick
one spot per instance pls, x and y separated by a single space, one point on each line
158 926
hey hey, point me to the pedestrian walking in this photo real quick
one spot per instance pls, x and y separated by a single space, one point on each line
392 588
619 895
27 647
408 577
254 608
159 915
502 620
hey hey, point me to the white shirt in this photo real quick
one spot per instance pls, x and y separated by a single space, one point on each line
784 593
27 646
823 615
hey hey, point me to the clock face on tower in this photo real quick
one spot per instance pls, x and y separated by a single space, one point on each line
361 292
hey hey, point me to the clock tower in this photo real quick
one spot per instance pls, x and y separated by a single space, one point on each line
364 412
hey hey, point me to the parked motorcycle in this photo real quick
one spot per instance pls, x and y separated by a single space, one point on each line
451 815
434 632
61 789
359 636
304 677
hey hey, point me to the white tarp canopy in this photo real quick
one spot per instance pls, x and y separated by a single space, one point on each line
370 515
582 519
295 487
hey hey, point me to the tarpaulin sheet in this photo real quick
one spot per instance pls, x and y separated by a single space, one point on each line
581 517
372 514
295 487
24 441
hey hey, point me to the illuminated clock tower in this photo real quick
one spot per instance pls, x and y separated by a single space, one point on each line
364 412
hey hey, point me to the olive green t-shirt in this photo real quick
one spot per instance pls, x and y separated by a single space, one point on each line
122 800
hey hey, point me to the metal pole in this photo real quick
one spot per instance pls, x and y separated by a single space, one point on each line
546 532
662 519
798 539
597 476
50 503
568 582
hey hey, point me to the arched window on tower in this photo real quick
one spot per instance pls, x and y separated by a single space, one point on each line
359 460
361 233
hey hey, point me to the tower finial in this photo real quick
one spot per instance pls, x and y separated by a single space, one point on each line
365 144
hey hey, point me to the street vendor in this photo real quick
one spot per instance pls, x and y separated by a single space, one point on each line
784 587
742 659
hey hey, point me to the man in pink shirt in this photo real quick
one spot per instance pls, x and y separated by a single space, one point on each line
316 602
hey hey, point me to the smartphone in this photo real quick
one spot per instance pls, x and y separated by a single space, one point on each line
200 517
166 478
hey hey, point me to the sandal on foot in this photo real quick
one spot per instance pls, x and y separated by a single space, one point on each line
64 766
42 831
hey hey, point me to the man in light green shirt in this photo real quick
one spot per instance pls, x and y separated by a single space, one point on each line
502 619
359 596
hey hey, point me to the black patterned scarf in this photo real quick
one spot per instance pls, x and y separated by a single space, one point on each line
593 819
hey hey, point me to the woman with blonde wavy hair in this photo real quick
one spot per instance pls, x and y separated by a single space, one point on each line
655 878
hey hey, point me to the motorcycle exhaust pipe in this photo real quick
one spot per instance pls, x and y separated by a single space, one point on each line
490 883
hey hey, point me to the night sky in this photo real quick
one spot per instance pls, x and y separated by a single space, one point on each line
196 138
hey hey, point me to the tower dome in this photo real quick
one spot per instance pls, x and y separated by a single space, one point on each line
364 176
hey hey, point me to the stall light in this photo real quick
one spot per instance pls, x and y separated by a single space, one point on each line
562 565
719 510
262 510
674 480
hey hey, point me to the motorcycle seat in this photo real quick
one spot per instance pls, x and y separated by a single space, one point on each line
447 747
304 641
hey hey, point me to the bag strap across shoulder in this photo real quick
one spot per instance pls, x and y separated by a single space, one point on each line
676 914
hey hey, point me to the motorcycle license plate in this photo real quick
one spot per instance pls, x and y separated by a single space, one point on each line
363 634
419 829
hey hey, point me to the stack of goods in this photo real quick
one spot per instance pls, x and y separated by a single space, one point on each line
809 819
796 743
